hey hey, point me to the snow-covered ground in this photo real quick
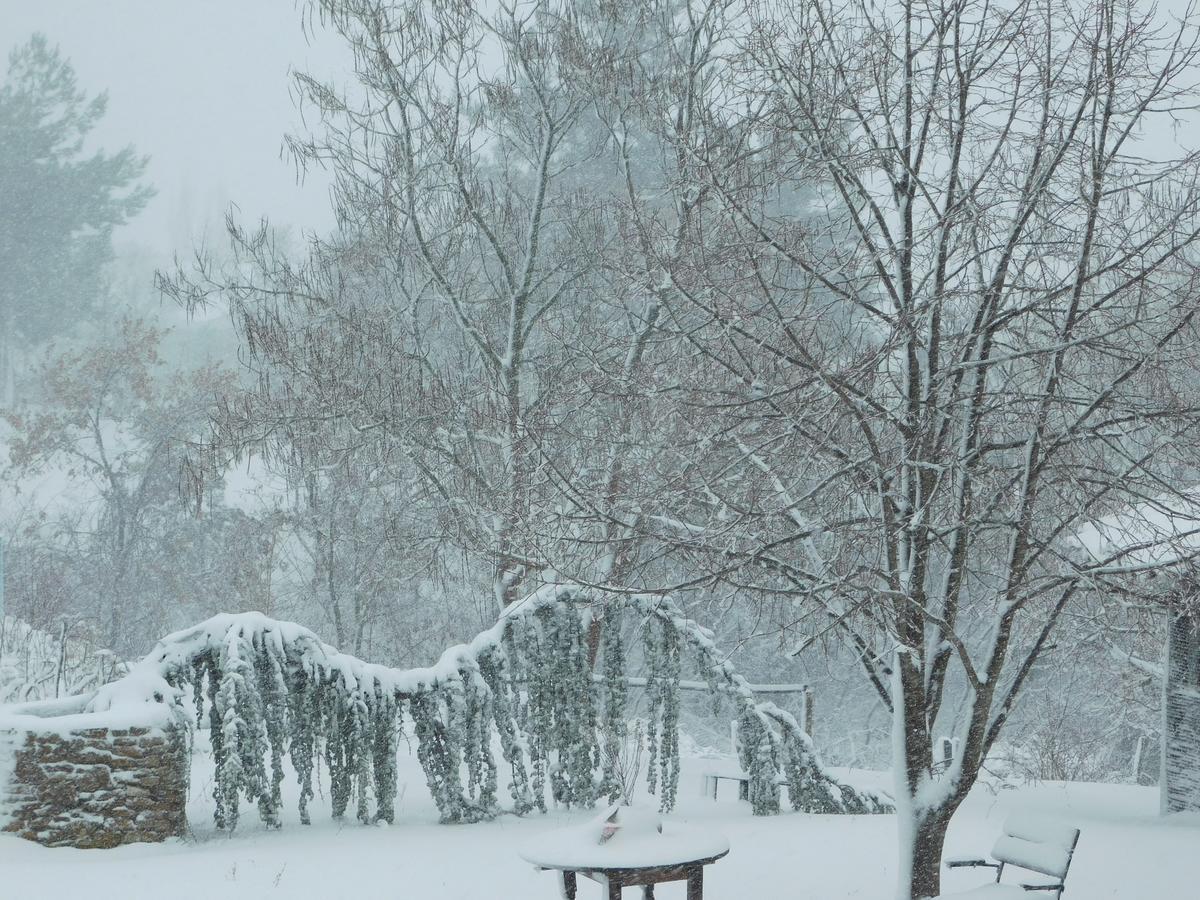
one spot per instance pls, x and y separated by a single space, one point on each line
1126 851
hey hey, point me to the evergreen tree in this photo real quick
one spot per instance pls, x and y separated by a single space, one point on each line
61 198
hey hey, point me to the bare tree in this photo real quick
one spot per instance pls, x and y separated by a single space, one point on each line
430 319
874 308
479 324
913 408
108 425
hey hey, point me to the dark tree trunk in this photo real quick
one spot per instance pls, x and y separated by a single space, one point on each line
929 836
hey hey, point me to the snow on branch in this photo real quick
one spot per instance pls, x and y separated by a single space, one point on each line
272 688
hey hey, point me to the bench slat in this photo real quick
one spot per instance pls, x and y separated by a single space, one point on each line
1049 859
1032 827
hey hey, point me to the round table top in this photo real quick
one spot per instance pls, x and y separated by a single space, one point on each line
578 847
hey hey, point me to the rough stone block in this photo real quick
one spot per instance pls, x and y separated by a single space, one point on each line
97 789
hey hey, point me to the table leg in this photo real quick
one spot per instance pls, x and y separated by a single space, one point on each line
614 888
648 892
695 884
568 884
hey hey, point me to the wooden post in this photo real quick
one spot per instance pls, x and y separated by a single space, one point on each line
614 888
569 885
695 884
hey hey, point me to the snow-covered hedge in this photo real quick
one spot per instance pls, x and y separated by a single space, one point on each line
273 688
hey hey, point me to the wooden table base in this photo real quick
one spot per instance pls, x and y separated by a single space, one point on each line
618 879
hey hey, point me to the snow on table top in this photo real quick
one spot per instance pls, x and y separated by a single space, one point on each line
637 844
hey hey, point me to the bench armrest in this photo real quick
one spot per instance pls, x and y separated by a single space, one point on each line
1043 887
972 863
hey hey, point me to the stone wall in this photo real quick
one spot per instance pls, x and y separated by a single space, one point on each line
95 787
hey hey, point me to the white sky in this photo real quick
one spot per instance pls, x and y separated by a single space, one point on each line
202 86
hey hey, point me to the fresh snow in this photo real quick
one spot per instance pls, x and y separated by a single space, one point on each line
1032 827
991 892
1126 850
1032 855
68 714
638 839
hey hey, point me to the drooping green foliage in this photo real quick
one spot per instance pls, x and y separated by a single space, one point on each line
272 688
614 726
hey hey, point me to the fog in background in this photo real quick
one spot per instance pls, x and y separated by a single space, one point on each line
202 88
403 495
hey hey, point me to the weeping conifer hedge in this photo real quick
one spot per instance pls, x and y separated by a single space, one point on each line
272 689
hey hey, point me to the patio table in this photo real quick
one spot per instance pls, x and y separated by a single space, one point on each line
634 855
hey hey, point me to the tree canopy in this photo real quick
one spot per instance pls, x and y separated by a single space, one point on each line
63 197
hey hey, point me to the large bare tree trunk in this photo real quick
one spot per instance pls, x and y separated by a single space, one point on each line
921 827
928 834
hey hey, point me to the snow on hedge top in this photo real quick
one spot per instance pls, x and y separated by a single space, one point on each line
623 837
1157 532
241 653
71 714
149 681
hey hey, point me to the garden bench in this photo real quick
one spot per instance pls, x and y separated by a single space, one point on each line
711 780
1028 843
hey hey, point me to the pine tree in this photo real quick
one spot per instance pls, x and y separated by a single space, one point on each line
61 202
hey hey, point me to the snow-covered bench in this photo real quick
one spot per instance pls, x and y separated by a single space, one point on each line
743 782
1029 843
